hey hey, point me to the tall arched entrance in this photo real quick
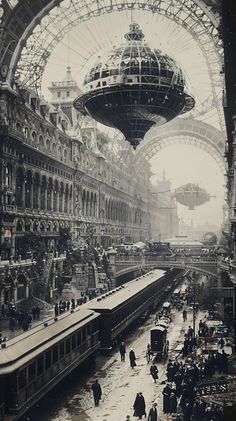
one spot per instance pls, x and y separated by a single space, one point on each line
187 131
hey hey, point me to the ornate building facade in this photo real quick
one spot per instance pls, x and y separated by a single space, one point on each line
59 171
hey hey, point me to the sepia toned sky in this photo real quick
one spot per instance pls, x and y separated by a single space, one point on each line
182 163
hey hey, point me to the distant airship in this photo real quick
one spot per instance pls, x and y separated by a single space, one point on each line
191 195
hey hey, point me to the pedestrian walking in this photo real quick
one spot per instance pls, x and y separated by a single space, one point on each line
184 315
166 399
173 403
127 418
154 372
190 332
139 406
97 392
132 358
56 310
148 353
122 351
152 415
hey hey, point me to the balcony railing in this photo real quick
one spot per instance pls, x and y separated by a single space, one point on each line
11 264
8 208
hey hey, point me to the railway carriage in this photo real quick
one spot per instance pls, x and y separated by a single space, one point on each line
35 361
125 305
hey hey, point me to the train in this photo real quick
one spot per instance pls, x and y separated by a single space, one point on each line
35 361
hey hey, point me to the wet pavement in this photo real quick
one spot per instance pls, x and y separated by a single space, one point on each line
72 400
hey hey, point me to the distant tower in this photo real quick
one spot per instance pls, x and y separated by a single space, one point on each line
63 95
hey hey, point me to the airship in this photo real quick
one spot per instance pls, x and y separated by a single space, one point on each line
133 87
191 195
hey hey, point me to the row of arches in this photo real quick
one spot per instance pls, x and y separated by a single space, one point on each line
120 211
38 141
41 192
89 204
32 190
39 225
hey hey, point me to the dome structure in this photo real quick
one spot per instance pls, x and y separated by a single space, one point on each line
134 87
191 195
209 238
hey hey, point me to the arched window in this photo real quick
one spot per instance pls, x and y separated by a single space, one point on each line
27 225
60 153
48 144
26 132
8 175
19 226
41 141
35 226
18 127
65 155
34 137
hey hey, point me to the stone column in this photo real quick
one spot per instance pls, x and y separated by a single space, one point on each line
51 199
57 201
13 242
63 200
46 197
23 193
15 293
32 194
27 289
39 196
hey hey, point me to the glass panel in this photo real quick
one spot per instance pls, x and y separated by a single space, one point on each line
32 371
62 349
67 346
40 365
22 378
48 360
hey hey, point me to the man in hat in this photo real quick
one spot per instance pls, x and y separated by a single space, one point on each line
152 416
97 392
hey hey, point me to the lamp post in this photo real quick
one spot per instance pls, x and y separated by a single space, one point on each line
194 307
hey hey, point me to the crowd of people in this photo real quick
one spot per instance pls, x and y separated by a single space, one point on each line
23 319
182 400
66 305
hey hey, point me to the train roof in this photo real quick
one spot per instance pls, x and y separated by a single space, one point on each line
159 328
32 343
118 296
162 324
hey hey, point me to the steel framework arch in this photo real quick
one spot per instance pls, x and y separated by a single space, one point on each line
185 131
32 32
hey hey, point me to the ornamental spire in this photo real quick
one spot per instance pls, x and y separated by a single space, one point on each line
135 33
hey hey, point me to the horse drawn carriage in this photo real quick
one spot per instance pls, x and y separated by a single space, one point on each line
159 344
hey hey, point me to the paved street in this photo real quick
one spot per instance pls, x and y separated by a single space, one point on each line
121 382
